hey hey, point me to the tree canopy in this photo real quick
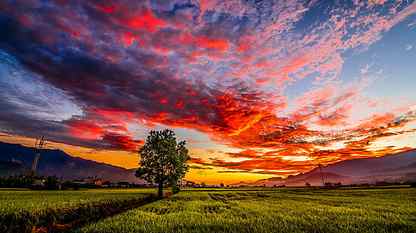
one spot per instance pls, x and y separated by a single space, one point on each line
163 160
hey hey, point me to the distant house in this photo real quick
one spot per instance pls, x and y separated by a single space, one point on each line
187 183
98 182
90 181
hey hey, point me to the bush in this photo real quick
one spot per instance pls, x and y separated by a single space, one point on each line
16 182
52 183
175 189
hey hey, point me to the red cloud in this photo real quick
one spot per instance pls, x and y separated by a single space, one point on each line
145 20
128 39
377 121
218 44
245 154
218 67
121 142
107 8
85 129
265 165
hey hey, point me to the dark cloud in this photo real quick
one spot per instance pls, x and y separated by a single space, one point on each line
217 67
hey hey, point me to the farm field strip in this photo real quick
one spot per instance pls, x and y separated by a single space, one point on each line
284 210
24 211
34 201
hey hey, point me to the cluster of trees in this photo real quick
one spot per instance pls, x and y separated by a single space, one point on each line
16 182
54 183
163 160
21 181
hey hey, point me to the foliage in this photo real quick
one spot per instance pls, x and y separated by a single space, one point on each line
267 210
163 160
16 182
52 183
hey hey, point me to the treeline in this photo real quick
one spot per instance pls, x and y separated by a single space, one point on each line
54 183
50 182
16 182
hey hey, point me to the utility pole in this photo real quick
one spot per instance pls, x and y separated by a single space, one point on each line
322 175
39 144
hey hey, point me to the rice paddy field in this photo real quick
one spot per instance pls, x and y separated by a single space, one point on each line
27 211
283 210
15 200
216 210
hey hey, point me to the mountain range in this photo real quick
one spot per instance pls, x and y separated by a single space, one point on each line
17 159
399 167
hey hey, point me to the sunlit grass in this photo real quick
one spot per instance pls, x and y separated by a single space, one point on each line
23 210
285 210
25 200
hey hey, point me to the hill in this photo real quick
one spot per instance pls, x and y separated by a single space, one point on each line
400 167
14 157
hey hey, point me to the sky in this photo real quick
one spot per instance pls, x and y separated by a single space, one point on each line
258 89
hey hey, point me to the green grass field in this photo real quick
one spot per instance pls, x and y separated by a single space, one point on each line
283 210
21 210
216 210
38 201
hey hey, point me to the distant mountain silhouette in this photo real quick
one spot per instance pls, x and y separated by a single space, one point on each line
391 168
11 168
16 159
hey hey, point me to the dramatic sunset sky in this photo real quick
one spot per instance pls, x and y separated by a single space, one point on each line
257 88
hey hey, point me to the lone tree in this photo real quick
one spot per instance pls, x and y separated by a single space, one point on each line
163 160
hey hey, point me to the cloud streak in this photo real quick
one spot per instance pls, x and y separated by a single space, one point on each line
220 67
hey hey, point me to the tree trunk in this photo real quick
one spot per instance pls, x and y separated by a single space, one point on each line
160 191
